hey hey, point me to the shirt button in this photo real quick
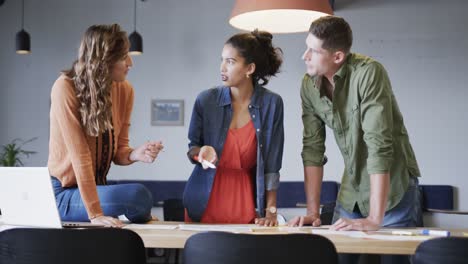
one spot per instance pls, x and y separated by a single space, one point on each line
258 129
261 145
250 106
253 116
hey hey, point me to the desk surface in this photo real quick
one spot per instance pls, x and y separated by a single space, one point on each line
175 238
154 235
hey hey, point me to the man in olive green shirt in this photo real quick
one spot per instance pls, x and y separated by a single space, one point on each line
351 94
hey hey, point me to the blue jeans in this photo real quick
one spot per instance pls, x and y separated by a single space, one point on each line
407 213
132 200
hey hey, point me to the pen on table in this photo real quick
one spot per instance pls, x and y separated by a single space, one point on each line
435 232
427 232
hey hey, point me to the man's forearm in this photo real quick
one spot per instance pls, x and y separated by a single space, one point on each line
313 177
380 185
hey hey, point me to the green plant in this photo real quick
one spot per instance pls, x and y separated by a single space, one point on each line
13 153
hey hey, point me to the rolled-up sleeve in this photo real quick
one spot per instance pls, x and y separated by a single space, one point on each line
377 118
313 138
274 159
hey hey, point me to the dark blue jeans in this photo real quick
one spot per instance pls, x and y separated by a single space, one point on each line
132 200
407 213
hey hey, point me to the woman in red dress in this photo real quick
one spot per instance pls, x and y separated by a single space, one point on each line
241 124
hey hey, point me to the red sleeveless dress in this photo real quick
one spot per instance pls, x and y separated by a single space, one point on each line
232 195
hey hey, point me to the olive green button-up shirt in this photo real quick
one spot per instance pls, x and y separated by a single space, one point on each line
368 128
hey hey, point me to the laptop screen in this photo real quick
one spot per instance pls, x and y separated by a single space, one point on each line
27 197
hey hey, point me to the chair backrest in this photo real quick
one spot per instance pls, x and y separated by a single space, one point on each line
326 213
229 248
453 250
173 210
41 245
291 193
437 197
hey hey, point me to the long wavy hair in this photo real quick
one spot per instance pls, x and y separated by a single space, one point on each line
101 47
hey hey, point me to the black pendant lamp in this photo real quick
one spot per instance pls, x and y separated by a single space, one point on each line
23 40
136 41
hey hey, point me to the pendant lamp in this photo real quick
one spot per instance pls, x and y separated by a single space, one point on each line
278 16
23 40
136 41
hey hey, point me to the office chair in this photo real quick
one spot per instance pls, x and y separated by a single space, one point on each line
71 246
229 248
173 210
451 250
326 213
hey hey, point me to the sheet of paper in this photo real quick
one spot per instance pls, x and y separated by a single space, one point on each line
223 228
250 228
392 237
287 229
151 226
397 234
385 234
333 232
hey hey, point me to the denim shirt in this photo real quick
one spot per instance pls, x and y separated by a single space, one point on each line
209 125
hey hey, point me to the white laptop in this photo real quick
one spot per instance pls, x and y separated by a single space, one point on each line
27 199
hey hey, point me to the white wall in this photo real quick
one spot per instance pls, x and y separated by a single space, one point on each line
422 44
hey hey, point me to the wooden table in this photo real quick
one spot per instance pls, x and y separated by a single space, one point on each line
175 238
344 244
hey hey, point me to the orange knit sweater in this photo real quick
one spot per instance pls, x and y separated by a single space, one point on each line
77 159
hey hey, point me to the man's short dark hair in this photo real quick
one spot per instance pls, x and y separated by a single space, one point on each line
334 31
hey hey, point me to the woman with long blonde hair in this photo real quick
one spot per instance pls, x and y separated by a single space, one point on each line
91 105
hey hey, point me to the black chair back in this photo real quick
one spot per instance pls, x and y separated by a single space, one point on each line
71 246
326 213
453 250
173 210
229 248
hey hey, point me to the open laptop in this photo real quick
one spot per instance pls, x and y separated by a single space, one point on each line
27 199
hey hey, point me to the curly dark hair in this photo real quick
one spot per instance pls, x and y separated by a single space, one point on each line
257 47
